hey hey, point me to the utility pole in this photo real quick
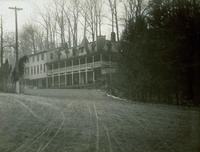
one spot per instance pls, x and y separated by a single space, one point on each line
16 47
1 42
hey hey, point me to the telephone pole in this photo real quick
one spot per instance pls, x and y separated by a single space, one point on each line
16 47
1 42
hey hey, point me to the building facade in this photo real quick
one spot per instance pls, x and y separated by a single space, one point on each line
90 64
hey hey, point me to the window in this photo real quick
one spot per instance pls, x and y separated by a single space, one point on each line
55 66
76 62
44 68
90 59
62 64
31 70
49 67
69 63
97 58
105 57
82 60
51 56
40 68
27 71
33 58
42 57
34 69
38 57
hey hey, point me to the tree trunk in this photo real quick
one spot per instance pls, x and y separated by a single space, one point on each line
116 20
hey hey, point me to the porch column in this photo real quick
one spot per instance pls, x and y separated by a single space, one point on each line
65 74
86 77
59 75
93 73
72 74
52 80
79 72
65 79
47 82
52 76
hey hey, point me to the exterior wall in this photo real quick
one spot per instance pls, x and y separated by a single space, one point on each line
60 69
81 74
36 68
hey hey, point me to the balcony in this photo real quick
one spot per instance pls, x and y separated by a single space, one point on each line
87 66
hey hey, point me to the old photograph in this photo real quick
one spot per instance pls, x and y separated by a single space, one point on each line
99 75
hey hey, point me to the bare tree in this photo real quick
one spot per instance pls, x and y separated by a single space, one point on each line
48 22
60 18
31 39
134 8
75 12
92 14
114 12
27 39
116 19
90 19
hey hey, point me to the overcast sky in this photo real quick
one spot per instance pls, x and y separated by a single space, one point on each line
30 11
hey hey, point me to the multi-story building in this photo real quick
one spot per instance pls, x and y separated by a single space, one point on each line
87 65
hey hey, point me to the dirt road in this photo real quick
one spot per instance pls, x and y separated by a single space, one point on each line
90 121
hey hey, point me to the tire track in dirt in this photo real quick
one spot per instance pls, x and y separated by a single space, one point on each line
163 143
90 120
107 132
97 128
42 148
44 131
28 109
56 133
108 137
34 139
140 124
108 114
143 125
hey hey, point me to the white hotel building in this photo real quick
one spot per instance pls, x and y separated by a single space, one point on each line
84 66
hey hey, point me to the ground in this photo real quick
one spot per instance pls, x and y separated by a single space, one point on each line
91 121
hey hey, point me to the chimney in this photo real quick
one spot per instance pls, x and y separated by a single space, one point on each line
113 37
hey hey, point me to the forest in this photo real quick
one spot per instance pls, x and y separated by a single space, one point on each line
160 53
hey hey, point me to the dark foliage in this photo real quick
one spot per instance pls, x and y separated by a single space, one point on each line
160 53
4 76
17 75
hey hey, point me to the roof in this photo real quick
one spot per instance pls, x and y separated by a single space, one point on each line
101 43
84 42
